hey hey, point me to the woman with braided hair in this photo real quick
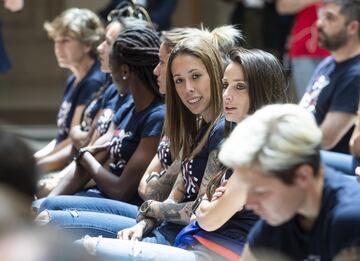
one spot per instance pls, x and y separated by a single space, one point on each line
252 79
152 186
118 167
96 125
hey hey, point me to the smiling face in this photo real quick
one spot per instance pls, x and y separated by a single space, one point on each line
236 99
69 51
112 31
160 69
269 197
192 83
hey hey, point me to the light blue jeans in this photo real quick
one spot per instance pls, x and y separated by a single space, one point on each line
99 216
302 71
339 161
89 215
113 249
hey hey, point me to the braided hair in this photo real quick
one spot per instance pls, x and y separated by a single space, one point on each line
138 48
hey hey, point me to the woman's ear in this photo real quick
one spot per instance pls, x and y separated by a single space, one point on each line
304 175
125 71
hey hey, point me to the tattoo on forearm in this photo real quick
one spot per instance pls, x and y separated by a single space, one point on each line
212 168
159 188
178 213
149 225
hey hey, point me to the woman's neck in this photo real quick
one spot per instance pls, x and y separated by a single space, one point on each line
81 69
142 95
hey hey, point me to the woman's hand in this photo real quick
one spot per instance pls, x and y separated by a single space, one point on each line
219 191
133 233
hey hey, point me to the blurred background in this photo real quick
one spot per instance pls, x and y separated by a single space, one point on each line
31 91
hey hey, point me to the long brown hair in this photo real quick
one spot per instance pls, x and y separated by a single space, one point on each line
181 125
266 82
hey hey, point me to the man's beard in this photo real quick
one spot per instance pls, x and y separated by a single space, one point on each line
334 42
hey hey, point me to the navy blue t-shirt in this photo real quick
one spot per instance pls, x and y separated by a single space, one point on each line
337 226
95 105
193 169
334 87
76 95
111 103
164 154
111 97
131 128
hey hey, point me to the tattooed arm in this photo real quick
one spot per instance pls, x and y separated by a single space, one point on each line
172 209
155 186
211 215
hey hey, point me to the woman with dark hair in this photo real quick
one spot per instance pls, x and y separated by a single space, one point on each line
210 132
118 167
216 211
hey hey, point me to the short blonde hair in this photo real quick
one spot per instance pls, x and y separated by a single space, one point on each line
81 24
277 139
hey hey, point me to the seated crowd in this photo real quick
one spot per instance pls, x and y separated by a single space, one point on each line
182 144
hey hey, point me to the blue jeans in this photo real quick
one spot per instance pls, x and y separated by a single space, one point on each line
99 216
111 249
302 70
91 204
89 215
339 161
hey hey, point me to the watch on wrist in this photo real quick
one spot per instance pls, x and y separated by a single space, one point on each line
144 208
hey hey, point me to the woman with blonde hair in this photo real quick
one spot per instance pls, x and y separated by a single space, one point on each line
76 34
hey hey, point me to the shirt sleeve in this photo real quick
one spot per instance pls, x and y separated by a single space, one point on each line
88 89
154 123
110 98
346 97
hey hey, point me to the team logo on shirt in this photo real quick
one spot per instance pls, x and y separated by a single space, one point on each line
191 181
115 150
62 116
104 121
164 152
87 119
311 96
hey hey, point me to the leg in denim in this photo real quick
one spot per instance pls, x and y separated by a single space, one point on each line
90 204
111 249
81 223
339 161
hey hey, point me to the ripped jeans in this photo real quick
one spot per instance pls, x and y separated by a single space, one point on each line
100 216
113 249
89 216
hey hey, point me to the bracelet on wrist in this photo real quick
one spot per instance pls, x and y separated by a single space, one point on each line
79 154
